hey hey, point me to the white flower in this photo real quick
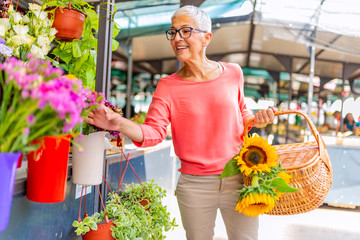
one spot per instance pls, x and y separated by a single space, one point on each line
34 7
16 17
5 22
37 13
53 31
26 19
42 40
17 40
46 23
29 39
11 9
2 31
35 23
37 52
43 15
45 49
21 29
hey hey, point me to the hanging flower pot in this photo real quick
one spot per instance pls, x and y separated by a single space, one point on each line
8 163
103 232
47 170
68 22
87 164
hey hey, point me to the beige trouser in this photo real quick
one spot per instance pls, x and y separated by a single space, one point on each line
199 197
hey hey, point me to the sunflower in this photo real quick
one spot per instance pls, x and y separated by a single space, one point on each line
254 204
256 156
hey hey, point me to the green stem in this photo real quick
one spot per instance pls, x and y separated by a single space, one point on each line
255 181
42 131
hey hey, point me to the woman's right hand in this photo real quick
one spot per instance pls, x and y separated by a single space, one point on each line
104 118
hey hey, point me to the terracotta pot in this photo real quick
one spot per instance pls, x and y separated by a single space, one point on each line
103 232
69 23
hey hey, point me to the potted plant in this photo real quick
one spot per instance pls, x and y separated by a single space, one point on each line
132 219
36 100
12 141
78 57
30 33
40 106
68 21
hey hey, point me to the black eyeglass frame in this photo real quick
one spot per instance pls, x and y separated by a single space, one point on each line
167 32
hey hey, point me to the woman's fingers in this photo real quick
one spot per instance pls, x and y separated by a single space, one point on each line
265 116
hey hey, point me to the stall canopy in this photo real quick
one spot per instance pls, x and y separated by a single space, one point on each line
274 35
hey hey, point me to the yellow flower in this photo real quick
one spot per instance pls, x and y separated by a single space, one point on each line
71 76
256 156
284 176
255 204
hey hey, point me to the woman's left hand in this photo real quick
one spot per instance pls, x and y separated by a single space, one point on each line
264 117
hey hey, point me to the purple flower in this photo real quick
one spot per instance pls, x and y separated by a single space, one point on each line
5 50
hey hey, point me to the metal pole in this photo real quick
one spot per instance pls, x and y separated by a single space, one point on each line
129 79
103 61
103 66
342 101
311 87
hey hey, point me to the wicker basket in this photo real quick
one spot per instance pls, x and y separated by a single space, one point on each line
309 165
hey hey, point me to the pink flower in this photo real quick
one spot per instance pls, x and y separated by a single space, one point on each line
31 119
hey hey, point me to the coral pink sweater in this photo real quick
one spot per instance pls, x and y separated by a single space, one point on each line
207 119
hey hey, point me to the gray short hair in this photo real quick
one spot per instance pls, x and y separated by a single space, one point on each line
202 19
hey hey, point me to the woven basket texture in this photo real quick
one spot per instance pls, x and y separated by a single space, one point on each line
309 165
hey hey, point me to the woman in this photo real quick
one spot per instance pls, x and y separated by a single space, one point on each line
349 123
204 102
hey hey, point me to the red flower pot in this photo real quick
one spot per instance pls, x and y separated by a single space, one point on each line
103 232
47 170
69 23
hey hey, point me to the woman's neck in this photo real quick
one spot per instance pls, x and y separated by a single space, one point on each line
199 71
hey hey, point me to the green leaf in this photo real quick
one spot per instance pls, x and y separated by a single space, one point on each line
115 45
280 185
231 168
93 226
75 224
116 30
76 49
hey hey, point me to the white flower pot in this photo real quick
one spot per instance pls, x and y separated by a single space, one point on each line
88 164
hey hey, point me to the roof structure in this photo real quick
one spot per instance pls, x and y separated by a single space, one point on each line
273 35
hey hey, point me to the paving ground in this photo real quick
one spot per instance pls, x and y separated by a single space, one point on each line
325 223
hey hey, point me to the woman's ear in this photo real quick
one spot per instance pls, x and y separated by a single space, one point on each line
207 39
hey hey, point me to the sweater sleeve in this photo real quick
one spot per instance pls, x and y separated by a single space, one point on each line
157 118
246 113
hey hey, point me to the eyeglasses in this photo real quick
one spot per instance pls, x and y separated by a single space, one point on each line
184 32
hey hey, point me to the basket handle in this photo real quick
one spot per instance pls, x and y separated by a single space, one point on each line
312 126
321 144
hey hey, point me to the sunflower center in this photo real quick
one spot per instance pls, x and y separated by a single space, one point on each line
254 156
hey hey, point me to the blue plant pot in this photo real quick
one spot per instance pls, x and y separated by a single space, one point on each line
8 164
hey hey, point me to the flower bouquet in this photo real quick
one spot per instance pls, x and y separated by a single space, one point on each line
36 101
40 107
30 33
265 181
